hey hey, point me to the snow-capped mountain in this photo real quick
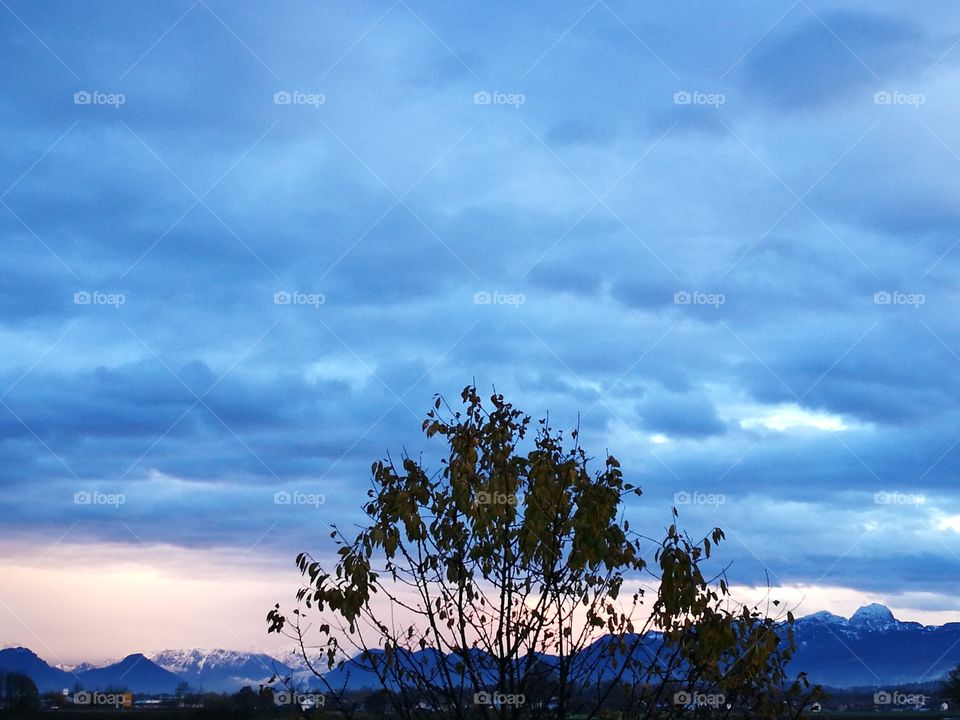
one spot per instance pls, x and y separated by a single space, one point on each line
873 648
294 659
874 616
221 670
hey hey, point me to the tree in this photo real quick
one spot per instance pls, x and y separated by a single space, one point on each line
951 685
182 690
18 692
377 703
246 701
53 700
509 565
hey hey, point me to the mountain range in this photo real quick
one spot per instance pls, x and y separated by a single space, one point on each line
134 672
871 648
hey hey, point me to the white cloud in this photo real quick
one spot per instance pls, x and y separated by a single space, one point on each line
791 416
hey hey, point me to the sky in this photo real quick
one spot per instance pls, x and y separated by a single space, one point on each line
245 244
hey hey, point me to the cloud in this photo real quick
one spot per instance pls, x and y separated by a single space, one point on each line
829 56
685 415
397 199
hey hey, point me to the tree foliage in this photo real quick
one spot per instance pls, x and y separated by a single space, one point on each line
524 592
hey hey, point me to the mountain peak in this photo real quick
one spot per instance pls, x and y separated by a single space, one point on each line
19 649
874 614
825 617
132 658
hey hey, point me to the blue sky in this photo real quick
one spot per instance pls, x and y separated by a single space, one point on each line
244 245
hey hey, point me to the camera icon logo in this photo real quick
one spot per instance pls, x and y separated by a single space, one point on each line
482 98
82 98
882 97
82 698
282 497
499 699
482 298
282 297
81 298
681 498
682 297
682 97
282 97
882 298
81 498
682 697
882 698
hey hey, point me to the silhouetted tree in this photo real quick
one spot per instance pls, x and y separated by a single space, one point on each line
377 703
246 701
509 566
18 693
951 686
53 699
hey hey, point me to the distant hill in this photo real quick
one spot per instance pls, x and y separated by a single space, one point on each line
135 673
870 649
47 678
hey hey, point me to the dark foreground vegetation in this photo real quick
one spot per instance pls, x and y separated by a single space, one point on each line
248 704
